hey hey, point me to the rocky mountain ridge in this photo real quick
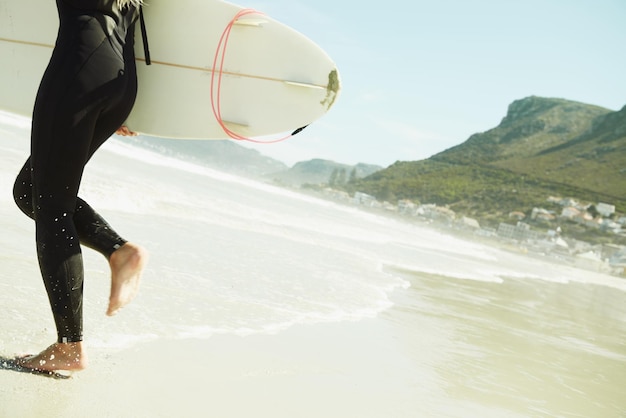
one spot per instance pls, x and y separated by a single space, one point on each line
542 147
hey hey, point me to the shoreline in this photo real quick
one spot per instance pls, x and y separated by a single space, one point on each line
430 354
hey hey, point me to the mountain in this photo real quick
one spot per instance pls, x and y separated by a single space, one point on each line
542 147
319 171
223 155
531 125
233 158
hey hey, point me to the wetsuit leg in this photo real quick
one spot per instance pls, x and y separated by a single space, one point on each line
93 230
85 94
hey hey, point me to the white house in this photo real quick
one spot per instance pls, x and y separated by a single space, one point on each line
364 199
605 209
541 214
568 202
469 223
570 212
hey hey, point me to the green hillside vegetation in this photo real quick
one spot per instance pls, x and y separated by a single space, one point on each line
543 147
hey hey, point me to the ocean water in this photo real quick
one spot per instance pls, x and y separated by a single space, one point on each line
487 330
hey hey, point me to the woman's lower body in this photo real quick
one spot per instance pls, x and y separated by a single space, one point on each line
85 95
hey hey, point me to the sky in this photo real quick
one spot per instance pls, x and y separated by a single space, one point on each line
419 77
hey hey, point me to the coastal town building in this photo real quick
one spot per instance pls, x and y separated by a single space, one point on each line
601 258
605 209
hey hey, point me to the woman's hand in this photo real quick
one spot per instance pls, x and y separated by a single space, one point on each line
124 131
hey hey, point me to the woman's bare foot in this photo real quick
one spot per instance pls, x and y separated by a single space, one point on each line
127 264
57 357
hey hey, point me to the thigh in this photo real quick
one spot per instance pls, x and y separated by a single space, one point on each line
72 115
58 157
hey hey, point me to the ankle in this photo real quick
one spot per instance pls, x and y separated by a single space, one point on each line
74 352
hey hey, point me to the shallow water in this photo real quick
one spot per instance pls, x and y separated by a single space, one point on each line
520 346
488 333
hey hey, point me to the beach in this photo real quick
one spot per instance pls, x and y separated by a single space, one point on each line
395 365
312 371
262 302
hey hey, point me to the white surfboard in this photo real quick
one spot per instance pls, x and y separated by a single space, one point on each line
272 80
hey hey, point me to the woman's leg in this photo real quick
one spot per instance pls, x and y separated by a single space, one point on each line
84 97
127 260
54 229
93 230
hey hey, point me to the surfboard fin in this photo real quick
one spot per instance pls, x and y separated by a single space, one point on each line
250 22
239 127
308 85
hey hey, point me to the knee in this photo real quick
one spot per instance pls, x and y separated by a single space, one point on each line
22 192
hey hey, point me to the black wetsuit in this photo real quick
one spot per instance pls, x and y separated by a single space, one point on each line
85 95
